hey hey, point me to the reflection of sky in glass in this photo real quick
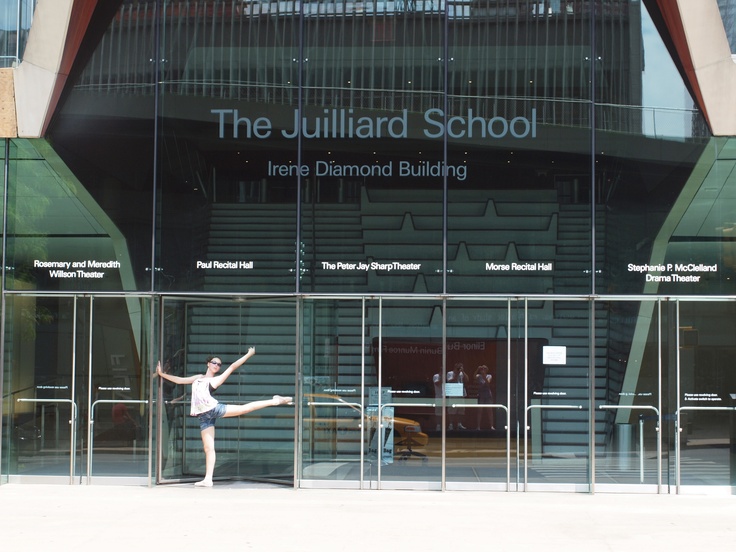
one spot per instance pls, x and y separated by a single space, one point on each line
9 13
663 92
15 15
728 14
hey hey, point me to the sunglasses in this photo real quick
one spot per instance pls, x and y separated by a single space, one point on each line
216 363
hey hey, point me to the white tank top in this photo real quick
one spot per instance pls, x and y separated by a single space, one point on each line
202 401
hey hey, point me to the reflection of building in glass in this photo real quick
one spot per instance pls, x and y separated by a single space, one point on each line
474 180
502 55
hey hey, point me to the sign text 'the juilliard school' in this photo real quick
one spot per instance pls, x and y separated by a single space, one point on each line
343 123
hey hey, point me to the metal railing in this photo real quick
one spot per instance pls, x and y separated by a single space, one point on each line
202 59
72 426
641 439
678 430
527 428
91 427
17 17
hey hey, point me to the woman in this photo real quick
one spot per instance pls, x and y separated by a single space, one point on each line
485 395
208 409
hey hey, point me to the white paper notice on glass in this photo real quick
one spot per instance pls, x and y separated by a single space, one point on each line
554 354
454 389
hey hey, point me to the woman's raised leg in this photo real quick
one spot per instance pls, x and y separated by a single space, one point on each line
240 409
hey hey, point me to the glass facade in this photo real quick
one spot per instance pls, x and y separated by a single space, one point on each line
474 241
15 21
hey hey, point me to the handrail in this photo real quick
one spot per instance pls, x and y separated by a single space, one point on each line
706 408
361 427
73 432
678 430
435 404
422 405
641 439
356 406
90 428
340 403
480 405
380 425
477 405
632 407
528 427
506 427
554 407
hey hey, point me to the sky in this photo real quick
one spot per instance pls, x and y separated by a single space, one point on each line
662 86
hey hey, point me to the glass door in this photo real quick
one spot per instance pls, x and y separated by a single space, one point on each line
45 352
405 448
114 390
336 377
704 393
483 378
417 393
629 383
256 446
77 399
392 394
557 372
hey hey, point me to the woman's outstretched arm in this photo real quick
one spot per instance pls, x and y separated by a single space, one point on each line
219 379
176 379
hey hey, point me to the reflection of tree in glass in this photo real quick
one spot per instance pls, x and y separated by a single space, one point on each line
31 318
29 205
29 201
24 251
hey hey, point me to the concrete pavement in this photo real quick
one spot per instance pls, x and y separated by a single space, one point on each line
247 516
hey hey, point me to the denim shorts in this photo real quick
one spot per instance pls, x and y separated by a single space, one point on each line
207 419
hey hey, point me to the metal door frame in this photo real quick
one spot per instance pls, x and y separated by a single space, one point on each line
74 445
529 407
156 390
678 408
506 408
657 409
657 406
81 472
